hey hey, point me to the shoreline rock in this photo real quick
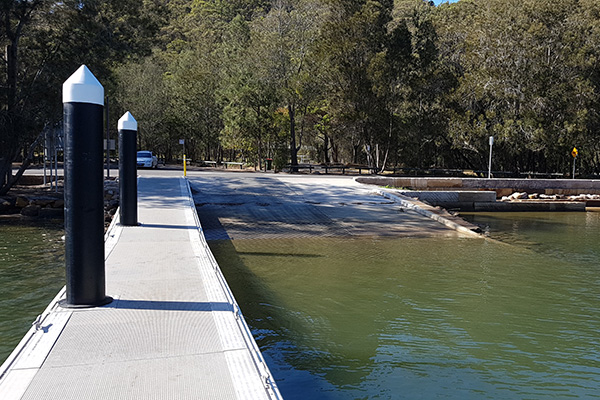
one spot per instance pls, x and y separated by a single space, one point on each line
524 196
41 201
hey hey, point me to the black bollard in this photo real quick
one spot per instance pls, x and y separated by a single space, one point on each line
128 169
83 106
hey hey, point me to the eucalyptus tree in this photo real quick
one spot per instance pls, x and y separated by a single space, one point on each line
354 35
44 42
410 81
18 23
519 83
193 82
285 38
248 99
200 65
584 25
142 90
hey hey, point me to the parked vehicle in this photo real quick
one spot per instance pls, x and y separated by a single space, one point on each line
145 159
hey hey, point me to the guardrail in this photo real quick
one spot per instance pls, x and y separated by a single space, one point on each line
407 171
228 163
343 168
259 362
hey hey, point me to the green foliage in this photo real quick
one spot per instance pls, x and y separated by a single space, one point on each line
523 81
44 42
376 82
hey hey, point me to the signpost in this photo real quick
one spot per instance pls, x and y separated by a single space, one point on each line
574 153
182 141
107 146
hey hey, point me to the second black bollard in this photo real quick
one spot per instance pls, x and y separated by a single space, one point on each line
128 169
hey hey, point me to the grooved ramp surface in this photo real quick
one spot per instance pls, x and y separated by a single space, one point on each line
173 330
245 206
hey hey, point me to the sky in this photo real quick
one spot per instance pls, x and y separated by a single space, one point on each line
444 1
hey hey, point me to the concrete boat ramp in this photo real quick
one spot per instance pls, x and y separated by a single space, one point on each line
173 331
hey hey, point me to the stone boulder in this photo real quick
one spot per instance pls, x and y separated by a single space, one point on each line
5 205
21 202
32 210
43 201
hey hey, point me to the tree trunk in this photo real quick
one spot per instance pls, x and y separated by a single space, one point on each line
260 161
293 148
334 151
11 180
11 74
326 148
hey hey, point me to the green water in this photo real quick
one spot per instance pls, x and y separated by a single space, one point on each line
371 318
31 274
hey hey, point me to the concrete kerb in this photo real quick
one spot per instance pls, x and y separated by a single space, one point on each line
414 205
501 186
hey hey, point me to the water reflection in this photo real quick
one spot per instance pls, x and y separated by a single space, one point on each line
426 318
31 274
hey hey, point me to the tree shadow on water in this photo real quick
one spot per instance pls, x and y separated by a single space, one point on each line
278 331
307 361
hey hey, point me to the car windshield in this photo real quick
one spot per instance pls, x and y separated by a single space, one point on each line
144 154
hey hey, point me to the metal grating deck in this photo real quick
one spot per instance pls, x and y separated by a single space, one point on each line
173 331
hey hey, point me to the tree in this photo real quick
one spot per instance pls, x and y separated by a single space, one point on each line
45 42
249 100
519 85
286 40
193 85
142 90
16 17
354 36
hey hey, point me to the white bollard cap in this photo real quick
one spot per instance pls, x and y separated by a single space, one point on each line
83 87
127 122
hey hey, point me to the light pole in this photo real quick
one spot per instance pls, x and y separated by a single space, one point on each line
490 163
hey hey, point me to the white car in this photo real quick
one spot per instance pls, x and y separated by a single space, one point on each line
145 159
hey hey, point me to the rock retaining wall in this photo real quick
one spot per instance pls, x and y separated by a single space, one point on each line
40 202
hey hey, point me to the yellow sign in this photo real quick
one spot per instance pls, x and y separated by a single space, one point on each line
574 152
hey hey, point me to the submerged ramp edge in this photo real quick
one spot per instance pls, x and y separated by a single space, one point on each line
420 208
